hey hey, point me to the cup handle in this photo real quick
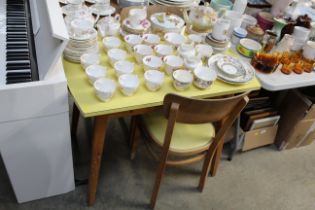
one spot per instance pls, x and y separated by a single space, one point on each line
186 18
117 17
97 19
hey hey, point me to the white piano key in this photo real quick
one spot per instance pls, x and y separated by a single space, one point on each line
2 42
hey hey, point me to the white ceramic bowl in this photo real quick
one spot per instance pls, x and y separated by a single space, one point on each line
115 55
248 20
132 40
203 50
111 42
151 39
95 72
162 50
123 67
152 62
105 88
172 63
174 39
88 59
141 50
204 77
154 79
128 83
182 79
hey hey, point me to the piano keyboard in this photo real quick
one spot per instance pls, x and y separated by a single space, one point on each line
16 33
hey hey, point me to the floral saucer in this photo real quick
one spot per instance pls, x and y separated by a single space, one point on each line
142 27
167 22
239 80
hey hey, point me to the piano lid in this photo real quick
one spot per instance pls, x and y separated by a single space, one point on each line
50 34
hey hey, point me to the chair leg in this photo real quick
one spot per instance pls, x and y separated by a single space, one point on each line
134 136
157 183
205 170
216 159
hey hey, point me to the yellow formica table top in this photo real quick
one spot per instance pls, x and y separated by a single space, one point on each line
90 106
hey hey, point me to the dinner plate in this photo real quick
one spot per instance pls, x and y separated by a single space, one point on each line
167 22
230 66
243 79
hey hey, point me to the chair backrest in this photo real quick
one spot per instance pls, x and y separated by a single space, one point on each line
196 111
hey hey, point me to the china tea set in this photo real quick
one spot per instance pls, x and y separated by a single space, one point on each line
155 44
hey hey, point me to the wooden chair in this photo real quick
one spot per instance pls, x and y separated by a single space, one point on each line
190 129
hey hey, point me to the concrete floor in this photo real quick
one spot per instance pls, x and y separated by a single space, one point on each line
259 179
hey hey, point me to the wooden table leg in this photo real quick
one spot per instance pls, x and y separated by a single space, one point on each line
75 120
100 126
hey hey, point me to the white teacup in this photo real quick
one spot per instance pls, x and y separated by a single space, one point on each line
132 40
162 50
95 72
88 59
204 51
196 39
75 1
141 51
174 39
115 55
152 62
221 29
111 42
123 67
151 39
128 83
192 62
154 79
309 50
172 63
186 50
136 16
105 88
81 26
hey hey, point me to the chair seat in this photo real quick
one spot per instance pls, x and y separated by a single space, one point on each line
186 137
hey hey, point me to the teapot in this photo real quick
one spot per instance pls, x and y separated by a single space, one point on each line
109 26
201 18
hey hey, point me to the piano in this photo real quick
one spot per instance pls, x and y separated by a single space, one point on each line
35 142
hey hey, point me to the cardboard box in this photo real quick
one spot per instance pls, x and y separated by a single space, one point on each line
297 122
260 137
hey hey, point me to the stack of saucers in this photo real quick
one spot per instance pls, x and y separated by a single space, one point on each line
217 45
78 45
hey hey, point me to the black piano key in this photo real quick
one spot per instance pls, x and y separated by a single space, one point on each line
18 75
19 80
